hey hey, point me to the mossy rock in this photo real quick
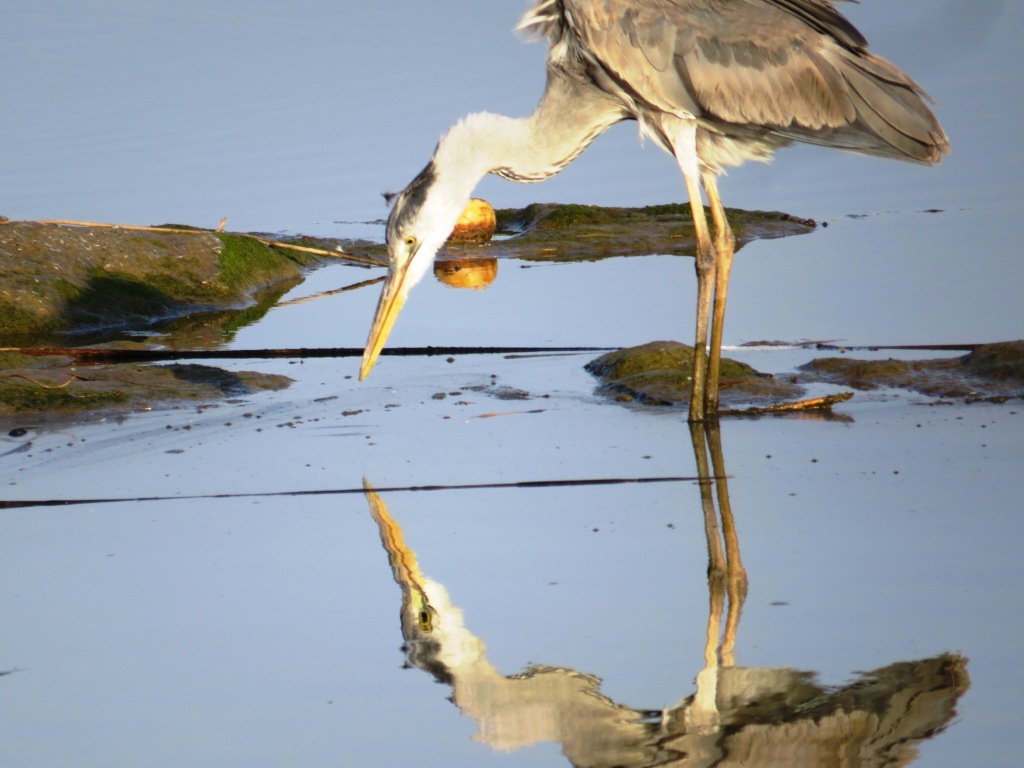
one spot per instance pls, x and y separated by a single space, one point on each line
661 373
862 374
990 372
1003 361
572 232
568 232
59 279
658 356
56 386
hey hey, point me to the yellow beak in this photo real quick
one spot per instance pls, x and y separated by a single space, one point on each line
392 298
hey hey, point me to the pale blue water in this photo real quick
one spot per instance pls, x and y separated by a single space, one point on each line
264 630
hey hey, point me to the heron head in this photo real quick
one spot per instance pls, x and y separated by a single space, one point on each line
422 216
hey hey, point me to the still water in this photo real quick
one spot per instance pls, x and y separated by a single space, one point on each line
241 599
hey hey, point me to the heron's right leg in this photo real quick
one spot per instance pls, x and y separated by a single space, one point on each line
686 155
725 248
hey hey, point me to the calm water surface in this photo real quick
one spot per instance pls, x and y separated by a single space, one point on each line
469 626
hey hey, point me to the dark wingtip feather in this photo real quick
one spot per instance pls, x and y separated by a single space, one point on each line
893 107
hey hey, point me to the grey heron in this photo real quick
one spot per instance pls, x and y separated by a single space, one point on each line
715 83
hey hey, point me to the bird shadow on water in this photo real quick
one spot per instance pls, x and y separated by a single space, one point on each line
736 716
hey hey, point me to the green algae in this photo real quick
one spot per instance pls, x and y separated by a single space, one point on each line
56 385
557 232
27 397
991 371
863 374
1002 361
247 264
661 373
658 356
58 278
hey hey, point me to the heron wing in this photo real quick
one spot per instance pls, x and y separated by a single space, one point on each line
797 68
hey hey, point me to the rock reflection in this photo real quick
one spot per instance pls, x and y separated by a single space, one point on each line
737 716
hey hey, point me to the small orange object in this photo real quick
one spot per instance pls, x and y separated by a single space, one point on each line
476 224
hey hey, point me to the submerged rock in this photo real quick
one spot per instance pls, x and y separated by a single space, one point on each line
990 372
59 386
561 232
661 373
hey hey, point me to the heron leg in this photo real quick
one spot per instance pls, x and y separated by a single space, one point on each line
725 248
705 266
685 149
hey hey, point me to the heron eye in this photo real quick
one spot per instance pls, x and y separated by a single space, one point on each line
410 241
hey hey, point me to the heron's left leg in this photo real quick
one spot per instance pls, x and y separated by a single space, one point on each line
725 248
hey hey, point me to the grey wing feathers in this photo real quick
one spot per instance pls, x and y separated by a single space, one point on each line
794 68
823 18
891 107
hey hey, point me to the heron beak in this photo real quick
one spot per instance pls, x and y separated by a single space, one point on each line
392 298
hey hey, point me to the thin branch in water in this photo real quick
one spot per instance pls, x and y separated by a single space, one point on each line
39 383
814 404
104 225
506 413
319 251
325 294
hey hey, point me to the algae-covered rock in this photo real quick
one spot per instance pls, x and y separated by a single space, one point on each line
56 385
990 372
661 373
57 278
862 374
565 232
1003 361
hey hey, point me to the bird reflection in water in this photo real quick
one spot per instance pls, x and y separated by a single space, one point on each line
737 716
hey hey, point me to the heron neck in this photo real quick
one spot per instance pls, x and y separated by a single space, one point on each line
525 149
479 144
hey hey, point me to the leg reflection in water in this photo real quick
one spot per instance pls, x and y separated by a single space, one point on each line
737 716
727 578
